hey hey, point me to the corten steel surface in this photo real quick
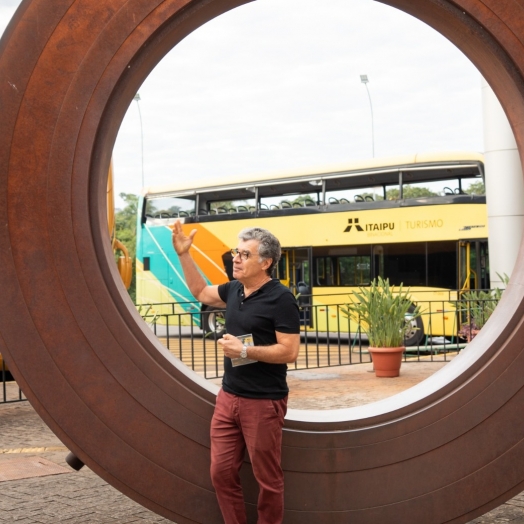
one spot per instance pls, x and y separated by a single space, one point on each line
445 451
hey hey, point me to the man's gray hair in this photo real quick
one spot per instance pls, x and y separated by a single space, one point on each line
268 245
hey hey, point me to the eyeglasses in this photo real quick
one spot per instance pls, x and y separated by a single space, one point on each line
244 255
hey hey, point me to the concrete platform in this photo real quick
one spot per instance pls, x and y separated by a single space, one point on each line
64 495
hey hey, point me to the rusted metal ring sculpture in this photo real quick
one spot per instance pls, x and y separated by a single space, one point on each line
447 451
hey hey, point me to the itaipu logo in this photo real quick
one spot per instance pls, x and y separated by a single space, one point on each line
353 223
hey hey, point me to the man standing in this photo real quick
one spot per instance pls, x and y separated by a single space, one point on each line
252 403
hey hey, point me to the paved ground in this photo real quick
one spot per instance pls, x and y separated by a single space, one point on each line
82 497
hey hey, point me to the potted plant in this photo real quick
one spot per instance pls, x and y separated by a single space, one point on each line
384 314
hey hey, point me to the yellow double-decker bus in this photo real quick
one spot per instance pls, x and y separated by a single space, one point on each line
414 220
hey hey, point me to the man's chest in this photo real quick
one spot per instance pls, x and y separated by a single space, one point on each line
249 315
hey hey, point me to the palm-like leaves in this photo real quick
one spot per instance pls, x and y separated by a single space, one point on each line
383 312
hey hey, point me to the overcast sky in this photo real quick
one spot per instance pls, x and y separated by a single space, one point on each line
275 84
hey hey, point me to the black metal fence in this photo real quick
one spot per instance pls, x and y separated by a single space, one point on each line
328 336
10 390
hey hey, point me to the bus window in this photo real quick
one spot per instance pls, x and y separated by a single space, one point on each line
346 196
405 263
320 272
230 206
473 186
290 201
304 273
448 187
442 256
166 208
281 269
393 192
324 274
411 191
354 270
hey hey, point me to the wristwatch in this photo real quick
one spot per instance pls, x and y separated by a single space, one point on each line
243 353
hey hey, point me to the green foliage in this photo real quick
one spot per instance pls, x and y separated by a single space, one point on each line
477 188
478 305
381 312
373 196
302 200
151 208
299 201
409 192
228 205
125 226
147 312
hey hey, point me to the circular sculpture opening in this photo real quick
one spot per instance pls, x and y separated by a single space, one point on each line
95 375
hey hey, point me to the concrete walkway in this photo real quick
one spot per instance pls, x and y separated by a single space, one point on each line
59 494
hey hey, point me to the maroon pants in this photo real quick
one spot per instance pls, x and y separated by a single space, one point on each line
256 424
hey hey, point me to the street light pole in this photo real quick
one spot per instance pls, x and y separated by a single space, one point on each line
137 99
364 80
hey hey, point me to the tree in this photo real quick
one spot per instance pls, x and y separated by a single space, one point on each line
125 230
299 201
477 188
410 192
227 205
367 196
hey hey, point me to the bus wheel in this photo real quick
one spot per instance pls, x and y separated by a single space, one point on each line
415 333
213 321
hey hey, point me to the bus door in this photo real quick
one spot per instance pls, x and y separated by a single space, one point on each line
473 269
294 271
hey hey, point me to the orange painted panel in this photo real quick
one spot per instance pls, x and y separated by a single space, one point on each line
207 252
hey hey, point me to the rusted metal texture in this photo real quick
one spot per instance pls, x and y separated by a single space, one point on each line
447 450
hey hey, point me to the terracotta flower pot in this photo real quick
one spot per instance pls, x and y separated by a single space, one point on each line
387 361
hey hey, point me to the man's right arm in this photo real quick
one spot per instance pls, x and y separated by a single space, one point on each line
195 282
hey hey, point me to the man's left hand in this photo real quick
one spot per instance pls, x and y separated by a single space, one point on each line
231 345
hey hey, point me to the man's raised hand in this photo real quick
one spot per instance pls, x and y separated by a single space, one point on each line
182 242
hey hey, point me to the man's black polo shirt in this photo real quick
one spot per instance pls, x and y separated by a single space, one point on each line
271 308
